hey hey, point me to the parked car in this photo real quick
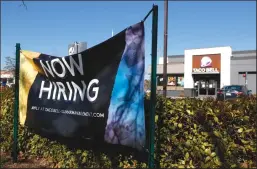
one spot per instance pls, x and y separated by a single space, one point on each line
232 92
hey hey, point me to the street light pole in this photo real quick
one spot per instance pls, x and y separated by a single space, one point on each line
165 48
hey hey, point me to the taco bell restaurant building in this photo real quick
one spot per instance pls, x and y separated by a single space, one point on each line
201 72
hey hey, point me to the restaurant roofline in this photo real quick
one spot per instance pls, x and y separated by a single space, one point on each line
233 52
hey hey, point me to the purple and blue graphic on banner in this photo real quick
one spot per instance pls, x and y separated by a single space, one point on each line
126 120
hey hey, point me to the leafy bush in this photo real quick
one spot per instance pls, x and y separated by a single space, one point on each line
6 119
207 134
190 133
59 155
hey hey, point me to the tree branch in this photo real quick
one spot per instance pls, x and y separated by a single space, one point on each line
23 4
10 64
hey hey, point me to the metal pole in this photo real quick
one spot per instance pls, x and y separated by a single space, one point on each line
165 48
153 86
16 107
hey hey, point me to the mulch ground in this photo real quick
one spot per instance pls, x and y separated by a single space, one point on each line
6 162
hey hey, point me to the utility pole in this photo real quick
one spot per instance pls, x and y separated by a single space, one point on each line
165 81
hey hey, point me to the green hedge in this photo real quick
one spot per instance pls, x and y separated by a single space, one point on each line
207 134
190 133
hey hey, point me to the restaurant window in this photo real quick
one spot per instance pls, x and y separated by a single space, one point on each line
172 81
180 81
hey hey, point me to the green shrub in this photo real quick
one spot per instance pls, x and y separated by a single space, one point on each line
6 119
190 133
59 155
207 134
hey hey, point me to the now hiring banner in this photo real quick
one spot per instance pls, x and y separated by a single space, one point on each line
97 93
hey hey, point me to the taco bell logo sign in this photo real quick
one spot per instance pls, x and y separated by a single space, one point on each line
206 62
205 65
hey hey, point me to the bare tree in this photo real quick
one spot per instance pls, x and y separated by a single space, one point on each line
147 84
10 64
